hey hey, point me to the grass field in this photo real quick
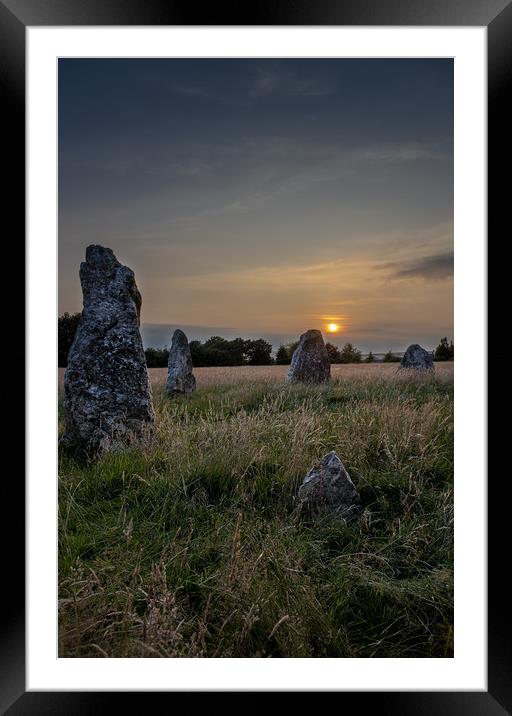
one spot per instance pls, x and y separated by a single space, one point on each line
188 547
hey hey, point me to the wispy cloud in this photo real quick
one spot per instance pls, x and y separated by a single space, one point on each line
281 168
401 152
194 91
267 82
434 268
278 81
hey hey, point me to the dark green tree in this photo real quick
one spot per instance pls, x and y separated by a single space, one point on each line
156 357
217 343
282 356
349 354
217 351
196 352
292 347
333 352
68 323
285 352
391 358
444 350
370 358
258 352
238 349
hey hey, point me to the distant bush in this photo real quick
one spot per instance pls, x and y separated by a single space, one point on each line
391 358
282 357
258 352
68 323
444 350
157 357
333 352
349 354
285 352
217 351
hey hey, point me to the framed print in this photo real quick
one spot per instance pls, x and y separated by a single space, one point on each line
247 437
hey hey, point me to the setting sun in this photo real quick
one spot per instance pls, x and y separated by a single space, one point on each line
333 327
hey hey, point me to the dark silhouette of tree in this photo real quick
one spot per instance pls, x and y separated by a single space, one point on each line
349 354
444 350
239 350
391 358
370 358
157 357
217 343
68 323
258 352
218 351
292 347
282 356
333 352
195 352
285 352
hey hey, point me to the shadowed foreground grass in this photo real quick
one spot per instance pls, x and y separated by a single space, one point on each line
187 547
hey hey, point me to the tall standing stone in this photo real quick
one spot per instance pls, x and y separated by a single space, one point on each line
107 399
310 361
180 378
418 358
327 490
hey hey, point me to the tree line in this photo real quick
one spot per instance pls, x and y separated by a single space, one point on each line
217 351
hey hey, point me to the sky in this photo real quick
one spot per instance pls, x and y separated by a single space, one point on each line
264 197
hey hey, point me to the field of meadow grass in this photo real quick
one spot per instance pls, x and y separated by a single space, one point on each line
188 546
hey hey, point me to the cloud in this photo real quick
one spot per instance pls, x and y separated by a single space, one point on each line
278 81
431 268
193 91
266 83
276 168
403 152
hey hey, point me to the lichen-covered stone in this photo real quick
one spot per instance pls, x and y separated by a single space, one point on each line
327 490
107 400
310 361
180 378
418 358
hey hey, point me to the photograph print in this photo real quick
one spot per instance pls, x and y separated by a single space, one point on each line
255 358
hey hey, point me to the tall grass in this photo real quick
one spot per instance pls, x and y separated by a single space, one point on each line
189 546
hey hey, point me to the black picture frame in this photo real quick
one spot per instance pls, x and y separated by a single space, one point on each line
15 16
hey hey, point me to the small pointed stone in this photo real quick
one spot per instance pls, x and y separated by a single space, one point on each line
180 378
328 490
310 361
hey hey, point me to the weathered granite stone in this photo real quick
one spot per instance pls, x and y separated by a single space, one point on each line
180 378
310 361
107 400
327 490
418 358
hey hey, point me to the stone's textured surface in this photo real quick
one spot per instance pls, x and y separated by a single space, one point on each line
417 357
107 395
310 362
327 490
180 378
